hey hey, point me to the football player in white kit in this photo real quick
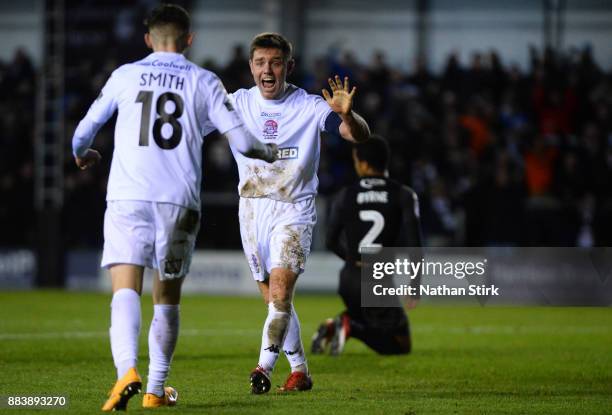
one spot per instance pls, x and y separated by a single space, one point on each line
165 105
277 207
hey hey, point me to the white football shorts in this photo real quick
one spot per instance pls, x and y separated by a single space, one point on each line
276 234
156 235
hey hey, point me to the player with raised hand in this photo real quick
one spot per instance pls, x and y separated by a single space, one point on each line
277 206
166 104
375 211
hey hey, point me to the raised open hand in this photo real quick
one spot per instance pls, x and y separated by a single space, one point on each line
341 100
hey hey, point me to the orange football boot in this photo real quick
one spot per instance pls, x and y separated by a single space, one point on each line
126 387
150 400
297 382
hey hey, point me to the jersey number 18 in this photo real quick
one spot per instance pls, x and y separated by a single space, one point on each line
146 98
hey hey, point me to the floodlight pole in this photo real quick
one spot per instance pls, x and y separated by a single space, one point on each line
422 30
49 150
559 23
553 24
293 22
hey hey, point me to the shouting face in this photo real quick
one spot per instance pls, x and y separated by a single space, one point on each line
270 68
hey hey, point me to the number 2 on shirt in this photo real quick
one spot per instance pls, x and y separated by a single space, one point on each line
378 224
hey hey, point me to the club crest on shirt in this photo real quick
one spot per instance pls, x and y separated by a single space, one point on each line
270 130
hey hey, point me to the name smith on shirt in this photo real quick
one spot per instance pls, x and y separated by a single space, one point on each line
162 79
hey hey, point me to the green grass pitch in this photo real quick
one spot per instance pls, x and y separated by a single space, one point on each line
466 359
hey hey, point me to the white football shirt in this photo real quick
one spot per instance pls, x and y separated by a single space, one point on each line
166 105
294 123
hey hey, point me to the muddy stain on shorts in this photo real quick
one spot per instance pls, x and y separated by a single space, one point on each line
247 218
246 215
189 221
272 179
181 242
292 253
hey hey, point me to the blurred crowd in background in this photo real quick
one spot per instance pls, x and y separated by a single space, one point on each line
497 155
18 82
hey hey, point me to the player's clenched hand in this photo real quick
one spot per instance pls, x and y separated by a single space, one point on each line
266 152
90 158
273 153
341 100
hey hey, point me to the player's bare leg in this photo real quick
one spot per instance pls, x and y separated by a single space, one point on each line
163 336
124 332
126 276
281 328
277 292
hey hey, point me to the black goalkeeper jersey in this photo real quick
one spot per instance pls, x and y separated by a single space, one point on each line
373 212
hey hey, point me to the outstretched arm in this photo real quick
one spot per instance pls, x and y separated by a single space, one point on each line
100 111
353 127
223 116
247 145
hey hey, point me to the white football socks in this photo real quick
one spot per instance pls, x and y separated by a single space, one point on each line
124 330
273 337
293 347
163 335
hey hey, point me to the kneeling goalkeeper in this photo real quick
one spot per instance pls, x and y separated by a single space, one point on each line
373 212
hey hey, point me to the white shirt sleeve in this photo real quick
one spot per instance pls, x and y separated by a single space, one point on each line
221 111
207 128
100 111
322 110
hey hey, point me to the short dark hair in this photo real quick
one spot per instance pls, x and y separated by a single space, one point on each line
169 14
374 151
271 40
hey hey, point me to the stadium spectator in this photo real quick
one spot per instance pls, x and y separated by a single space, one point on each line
17 99
421 105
